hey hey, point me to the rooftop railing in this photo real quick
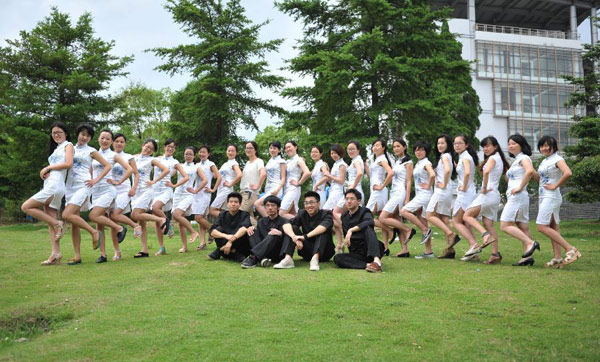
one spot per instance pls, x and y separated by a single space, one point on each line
556 34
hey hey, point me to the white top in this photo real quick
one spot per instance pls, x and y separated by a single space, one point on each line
170 162
378 171
274 171
58 156
352 171
82 165
495 173
191 169
420 175
118 171
144 166
550 174
205 166
460 171
109 156
335 171
399 180
293 171
227 172
439 169
251 175
516 172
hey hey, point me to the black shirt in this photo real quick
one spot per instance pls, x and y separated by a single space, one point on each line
230 224
308 223
363 218
265 225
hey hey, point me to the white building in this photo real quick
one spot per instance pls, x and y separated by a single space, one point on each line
520 49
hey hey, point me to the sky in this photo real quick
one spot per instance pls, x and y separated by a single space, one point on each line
137 25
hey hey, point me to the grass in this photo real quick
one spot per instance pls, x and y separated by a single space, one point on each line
183 307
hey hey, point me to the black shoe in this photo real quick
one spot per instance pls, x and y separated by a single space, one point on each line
455 241
412 233
386 252
237 256
394 235
448 253
215 255
121 235
250 262
529 252
403 255
167 224
101 259
141 254
526 262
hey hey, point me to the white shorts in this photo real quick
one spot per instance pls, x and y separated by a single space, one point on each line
441 202
396 201
378 198
78 195
142 199
201 203
165 196
335 196
51 189
122 201
516 208
489 202
463 200
291 195
420 201
183 202
220 201
548 207
322 195
103 196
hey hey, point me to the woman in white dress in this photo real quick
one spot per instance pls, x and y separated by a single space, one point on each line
202 194
296 173
79 188
319 181
253 177
486 204
276 176
336 179
414 211
145 193
231 174
183 197
439 209
552 173
104 192
45 204
515 216
125 191
356 170
400 195
380 175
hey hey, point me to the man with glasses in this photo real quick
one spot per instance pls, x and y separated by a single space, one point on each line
357 224
309 232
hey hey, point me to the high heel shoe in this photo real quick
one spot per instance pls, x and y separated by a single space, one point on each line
54 259
529 252
526 262
570 257
394 235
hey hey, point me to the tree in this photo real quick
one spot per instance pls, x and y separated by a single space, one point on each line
380 68
56 72
226 62
586 153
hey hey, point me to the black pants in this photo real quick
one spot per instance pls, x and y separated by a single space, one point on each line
364 247
241 246
269 247
322 244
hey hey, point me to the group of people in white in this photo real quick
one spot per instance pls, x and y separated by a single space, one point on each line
112 183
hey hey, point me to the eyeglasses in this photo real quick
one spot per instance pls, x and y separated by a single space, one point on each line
310 202
459 143
57 133
351 199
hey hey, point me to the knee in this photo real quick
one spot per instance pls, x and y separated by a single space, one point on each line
504 226
540 228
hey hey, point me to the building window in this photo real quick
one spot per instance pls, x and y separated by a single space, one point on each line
534 130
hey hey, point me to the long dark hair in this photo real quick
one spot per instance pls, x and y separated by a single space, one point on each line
406 157
277 145
52 145
449 149
384 146
84 126
525 147
470 148
494 142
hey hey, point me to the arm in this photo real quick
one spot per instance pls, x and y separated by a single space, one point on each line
136 177
305 171
360 171
325 171
431 174
341 178
60 166
566 173
185 178
409 172
388 177
126 167
107 167
367 169
447 173
467 167
238 176
165 172
203 182
486 174
282 172
529 171
262 175
326 224
217 177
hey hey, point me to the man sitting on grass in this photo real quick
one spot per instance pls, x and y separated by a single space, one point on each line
357 224
267 237
229 231
310 233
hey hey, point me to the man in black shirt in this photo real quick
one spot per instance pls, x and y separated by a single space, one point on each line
229 231
357 224
267 237
310 233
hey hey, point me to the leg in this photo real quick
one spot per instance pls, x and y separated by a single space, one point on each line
423 221
71 214
436 219
337 226
350 261
55 254
414 219
158 211
552 232
516 231
98 215
464 230
203 226
33 208
76 237
470 218
118 217
184 224
489 227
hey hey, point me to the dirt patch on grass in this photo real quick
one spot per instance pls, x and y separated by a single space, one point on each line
20 326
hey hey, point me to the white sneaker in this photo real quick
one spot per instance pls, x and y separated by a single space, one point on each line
472 257
314 265
265 263
475 249
284 264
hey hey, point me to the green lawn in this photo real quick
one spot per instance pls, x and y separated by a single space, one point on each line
183 306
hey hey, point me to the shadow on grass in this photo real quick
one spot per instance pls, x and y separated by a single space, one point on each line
21 326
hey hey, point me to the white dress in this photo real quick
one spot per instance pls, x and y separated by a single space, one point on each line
291 193
442 198
103 193
227 174
78 193
422 196
54 185
517 205
122 200
273 169
202 198
378 198
549 200
144 193
183 199
162 192
466 197
316 176
352 173
398 194
490 201
336 190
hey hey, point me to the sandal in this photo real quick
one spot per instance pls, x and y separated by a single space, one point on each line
570 257
193 237
554 263
96 245
487 241
201 247
161 251
54 259
61 230
137 231
183 250
117 256
141 254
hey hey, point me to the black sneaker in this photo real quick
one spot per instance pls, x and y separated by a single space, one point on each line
215 255
101 259
121 235
250 262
